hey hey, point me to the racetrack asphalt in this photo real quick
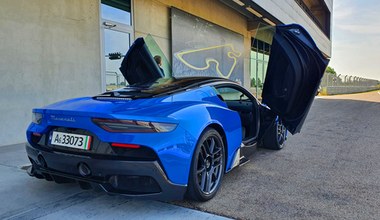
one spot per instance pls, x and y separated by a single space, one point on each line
331 170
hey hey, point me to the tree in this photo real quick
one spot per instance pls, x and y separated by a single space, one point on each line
253 82
259 84
330 70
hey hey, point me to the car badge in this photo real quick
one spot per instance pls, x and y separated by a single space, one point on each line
67 119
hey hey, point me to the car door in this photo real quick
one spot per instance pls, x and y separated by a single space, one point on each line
295 69
138 65
243 102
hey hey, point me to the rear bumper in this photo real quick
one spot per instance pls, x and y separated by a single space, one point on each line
137 179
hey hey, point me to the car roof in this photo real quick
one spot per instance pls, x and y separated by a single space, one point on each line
167 86
199 80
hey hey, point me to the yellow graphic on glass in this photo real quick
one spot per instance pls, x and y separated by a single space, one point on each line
233 54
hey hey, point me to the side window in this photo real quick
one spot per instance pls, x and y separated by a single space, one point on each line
231 94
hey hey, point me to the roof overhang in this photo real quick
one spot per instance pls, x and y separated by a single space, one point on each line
253 12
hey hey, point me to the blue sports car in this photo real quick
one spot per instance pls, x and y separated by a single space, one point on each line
166 138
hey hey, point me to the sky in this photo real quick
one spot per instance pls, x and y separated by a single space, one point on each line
356 38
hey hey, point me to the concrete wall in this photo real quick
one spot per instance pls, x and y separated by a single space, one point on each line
288 11
335 90
49 51
158 22
333 84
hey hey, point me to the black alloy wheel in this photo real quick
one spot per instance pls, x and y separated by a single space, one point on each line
207 167
275 136
281 133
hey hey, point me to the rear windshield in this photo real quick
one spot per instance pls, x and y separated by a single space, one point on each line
162 86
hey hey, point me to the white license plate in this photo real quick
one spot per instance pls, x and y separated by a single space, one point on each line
71 140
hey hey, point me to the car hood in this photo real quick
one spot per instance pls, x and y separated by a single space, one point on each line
138 65
295 69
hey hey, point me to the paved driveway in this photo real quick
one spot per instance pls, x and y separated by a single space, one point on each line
23 197
329 171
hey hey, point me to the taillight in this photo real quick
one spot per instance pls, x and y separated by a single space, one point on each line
36 137
37 117
132 146
133 126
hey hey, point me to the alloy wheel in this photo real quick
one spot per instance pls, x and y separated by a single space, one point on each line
210 165
282 132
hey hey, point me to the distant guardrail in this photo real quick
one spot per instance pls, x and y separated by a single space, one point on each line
332 84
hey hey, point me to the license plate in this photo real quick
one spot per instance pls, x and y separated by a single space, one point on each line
71 140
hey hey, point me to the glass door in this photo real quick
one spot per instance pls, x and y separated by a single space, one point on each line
116 44
117 33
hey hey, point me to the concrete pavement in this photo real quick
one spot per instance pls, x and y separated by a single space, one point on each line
331 170
24 197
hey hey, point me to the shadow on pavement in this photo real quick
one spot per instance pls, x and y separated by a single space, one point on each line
330 170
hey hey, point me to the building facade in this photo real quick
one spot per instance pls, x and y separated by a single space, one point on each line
52 49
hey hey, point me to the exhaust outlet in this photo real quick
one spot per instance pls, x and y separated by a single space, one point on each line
83 169
41 161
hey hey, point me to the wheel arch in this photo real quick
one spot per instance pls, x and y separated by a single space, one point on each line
225 121
220 130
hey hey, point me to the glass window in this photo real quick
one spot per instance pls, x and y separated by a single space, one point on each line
231 94
115 42
258 66
117 10
117 36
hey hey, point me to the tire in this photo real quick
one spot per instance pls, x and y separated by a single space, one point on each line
207 167
275 136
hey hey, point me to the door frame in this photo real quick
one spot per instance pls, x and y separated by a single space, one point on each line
255 109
